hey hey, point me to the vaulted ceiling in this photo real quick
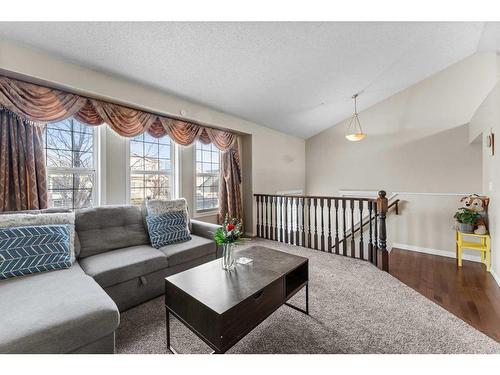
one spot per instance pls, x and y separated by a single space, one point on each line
296 77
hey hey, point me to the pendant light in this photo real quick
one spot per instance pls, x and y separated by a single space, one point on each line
354 131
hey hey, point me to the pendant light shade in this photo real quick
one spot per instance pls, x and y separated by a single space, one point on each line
354 131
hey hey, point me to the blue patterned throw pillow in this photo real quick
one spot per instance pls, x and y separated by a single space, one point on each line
167 228
33 249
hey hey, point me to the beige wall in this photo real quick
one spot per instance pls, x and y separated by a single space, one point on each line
418 142
485 119
277 159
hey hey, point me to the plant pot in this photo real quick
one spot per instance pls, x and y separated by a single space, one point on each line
465 227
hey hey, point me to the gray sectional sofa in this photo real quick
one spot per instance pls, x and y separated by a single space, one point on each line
76 310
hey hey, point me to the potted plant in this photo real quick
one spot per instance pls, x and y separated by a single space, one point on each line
466 219
227 236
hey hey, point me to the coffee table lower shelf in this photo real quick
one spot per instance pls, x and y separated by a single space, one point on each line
215 350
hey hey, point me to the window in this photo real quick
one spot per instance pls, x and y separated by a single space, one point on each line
151 168
70 158
207 177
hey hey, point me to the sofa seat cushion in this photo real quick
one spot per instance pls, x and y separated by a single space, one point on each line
125 264
54 312
190 250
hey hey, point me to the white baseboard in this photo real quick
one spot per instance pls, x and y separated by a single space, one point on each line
443 253
495 276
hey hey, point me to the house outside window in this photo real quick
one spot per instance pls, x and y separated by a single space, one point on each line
207 168
151 168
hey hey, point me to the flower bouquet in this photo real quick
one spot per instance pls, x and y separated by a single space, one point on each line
227 236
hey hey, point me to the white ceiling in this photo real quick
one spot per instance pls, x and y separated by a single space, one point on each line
294 77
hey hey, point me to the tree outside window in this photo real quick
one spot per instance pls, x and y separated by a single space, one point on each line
69 150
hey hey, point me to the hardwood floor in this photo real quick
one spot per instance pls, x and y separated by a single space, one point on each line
469 292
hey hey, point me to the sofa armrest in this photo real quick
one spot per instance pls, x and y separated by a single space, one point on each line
203 229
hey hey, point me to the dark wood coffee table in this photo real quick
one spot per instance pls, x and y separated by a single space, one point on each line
221 307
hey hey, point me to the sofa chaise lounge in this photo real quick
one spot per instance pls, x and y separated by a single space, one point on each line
76 310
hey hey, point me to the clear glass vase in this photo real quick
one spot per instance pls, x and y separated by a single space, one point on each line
228 256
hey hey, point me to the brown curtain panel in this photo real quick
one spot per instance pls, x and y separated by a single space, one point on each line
23 175
40 104
230 186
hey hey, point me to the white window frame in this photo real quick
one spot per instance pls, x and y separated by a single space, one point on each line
96 146
202 212
174 160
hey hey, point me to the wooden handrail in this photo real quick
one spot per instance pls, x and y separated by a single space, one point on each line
318 197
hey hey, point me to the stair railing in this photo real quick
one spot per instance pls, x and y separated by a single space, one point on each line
330 224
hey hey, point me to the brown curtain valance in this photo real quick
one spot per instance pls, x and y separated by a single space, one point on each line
42 104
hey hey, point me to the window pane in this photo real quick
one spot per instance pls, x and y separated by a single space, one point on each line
151 150
214 157
60 181
58 139
151 164
163 182
152 193
61 198
205 156
136 148
136 163
164 151
136 196
208 167
82 142
136 181
151 181
59 158
83 181
83 198
165 194
83 160
165 165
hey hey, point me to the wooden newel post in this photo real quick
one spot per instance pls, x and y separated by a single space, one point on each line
382 253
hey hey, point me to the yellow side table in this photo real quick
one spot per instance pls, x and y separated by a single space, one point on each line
484 246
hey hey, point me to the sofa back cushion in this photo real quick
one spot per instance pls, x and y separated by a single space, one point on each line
33 249
101 229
